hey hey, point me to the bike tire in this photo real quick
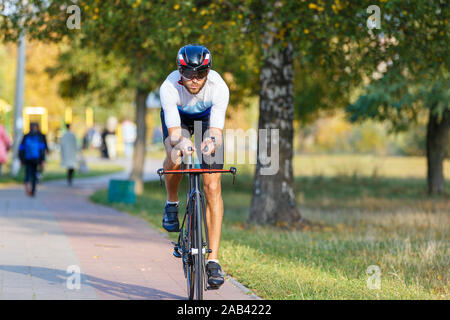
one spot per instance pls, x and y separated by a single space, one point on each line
188 268
199 258
190 265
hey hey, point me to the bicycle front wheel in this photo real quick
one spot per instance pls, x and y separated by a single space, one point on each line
195 259
199 261
188 257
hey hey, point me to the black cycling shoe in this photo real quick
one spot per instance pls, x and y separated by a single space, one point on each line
215 277
170 220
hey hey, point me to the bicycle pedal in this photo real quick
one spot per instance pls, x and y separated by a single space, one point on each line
176 253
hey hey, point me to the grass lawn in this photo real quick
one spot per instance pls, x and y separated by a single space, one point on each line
369 212
54 171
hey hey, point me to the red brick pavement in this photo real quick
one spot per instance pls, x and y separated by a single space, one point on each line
121 255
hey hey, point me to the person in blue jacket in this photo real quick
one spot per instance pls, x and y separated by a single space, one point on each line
32 152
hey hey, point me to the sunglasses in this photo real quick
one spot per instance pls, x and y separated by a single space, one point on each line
190 74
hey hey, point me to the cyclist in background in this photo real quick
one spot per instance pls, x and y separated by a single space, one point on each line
194 93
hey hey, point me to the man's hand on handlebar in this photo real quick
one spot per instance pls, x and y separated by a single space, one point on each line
208 146
185 146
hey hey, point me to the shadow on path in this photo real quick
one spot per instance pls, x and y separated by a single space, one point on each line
111 288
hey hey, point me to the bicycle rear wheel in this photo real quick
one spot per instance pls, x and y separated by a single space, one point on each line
188 267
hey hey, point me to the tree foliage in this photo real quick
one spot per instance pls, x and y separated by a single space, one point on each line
399 98
412 65
89 81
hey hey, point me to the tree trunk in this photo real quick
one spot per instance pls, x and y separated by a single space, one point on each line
273 199
139 145
437 143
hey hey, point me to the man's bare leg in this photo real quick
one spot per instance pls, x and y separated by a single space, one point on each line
214 211
172 180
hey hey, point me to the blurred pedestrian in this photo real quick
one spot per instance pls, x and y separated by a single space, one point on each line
128 136
69 153
86 140
111 144
5 145
104 146
32 151
96 138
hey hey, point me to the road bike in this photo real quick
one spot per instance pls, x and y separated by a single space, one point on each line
193 244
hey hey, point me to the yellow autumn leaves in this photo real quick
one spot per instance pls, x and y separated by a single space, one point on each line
136 4
336 6
207 25
176 7
314 6
95 17
212 8
96 11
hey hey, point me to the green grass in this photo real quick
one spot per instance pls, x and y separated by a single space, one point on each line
53 171
362 218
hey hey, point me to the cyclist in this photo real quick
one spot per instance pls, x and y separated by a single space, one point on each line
192 95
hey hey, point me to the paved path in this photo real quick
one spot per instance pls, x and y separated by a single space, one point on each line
45 240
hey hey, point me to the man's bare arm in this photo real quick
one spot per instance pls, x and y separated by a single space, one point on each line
175 136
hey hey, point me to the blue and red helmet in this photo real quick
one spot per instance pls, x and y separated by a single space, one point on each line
194 60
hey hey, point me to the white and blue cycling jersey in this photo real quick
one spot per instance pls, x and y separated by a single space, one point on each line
212 100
